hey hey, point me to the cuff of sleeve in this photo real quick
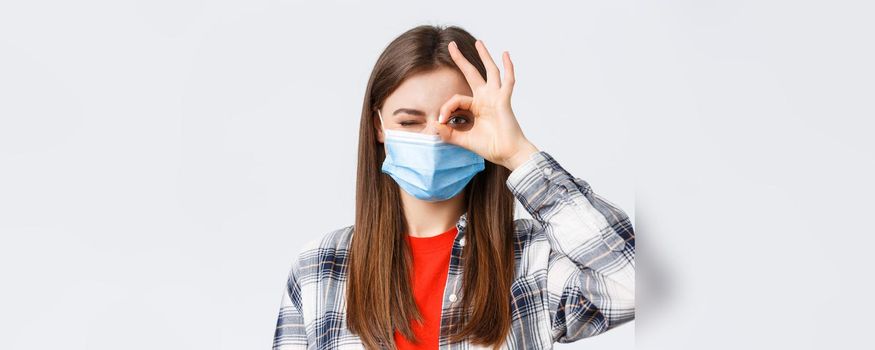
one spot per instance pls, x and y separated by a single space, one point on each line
526 170
538 180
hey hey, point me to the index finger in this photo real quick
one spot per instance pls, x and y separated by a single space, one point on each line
470 72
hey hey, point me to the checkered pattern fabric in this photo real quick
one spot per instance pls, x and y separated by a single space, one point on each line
575 271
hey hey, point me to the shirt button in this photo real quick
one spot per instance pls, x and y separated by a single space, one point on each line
452 297
548 171
462 241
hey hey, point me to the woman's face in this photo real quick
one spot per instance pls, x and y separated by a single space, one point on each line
415 104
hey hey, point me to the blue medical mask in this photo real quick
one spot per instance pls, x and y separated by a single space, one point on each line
425 166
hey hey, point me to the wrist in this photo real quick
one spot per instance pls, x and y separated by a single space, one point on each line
523 153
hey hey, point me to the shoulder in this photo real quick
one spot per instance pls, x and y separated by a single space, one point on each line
527 231
336 239
531 247
329 246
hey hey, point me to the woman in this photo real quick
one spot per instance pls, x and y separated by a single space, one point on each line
435 257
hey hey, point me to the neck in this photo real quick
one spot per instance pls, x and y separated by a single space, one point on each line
428 219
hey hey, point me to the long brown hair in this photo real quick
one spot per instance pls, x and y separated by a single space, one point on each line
379 296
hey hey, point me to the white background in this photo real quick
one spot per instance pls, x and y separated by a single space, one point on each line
161 162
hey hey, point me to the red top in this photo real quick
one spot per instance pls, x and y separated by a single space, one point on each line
431 262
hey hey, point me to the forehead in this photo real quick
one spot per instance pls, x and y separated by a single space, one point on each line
428 90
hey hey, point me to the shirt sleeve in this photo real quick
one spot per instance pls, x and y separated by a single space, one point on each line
591 267
290 331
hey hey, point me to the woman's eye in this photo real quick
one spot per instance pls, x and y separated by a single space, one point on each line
458 119
407 123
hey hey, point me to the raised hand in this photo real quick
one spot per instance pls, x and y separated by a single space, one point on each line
495 134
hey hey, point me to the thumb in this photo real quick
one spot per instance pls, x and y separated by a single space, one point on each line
452 136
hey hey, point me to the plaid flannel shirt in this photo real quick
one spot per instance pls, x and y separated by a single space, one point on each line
575 271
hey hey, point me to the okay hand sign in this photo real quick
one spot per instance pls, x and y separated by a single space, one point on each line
495 135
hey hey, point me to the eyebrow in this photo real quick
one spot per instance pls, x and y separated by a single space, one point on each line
409 111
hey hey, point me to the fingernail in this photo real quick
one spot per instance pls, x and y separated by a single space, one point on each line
440 118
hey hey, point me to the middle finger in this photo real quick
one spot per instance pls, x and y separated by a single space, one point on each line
491 67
